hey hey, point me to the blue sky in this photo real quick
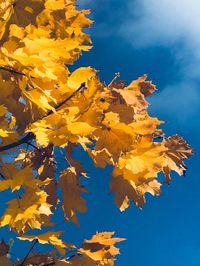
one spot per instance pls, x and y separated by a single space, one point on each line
160 38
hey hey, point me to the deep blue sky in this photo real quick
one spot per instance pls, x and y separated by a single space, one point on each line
129 39
166 232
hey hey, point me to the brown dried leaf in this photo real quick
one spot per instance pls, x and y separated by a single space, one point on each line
177 150
4 248
71 194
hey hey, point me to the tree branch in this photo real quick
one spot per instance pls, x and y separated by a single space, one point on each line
67 99
34 243
49 263
11 70
117 75
25 139
2 176
30 144
68 260
30 136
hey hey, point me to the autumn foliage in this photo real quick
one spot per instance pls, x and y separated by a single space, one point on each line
43 106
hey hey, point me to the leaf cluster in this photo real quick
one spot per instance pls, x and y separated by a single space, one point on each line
43 106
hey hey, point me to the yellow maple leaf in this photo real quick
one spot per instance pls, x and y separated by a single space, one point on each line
126 190
50 237
100 248
61 128
29 211
17 177
136 171
46 106
112 132
143 162
100 157
79 76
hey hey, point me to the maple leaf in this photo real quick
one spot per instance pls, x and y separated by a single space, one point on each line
112 132
50 237
15 178
80 76
29 211
101 157
4 254
60 136
127 190
4 248
46 170
177 150
100 249
44 106
6 125
146 87
73 162
143 162
71 194
12 99
26 12
143 124
37 259
137 170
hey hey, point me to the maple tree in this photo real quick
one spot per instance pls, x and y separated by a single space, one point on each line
44 106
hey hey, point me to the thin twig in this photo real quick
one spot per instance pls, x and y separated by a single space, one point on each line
74 255
18 198
25 139
2 176
11 70
30 136
67 99
35 147
117 75
34 243
68 259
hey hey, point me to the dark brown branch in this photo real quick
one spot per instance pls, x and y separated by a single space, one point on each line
30 144
14 71
68 259
49 263
2 176
18 198
30 136
11 70
25 139
24 260
67 99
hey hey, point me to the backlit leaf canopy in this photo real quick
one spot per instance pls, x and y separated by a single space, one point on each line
44 106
